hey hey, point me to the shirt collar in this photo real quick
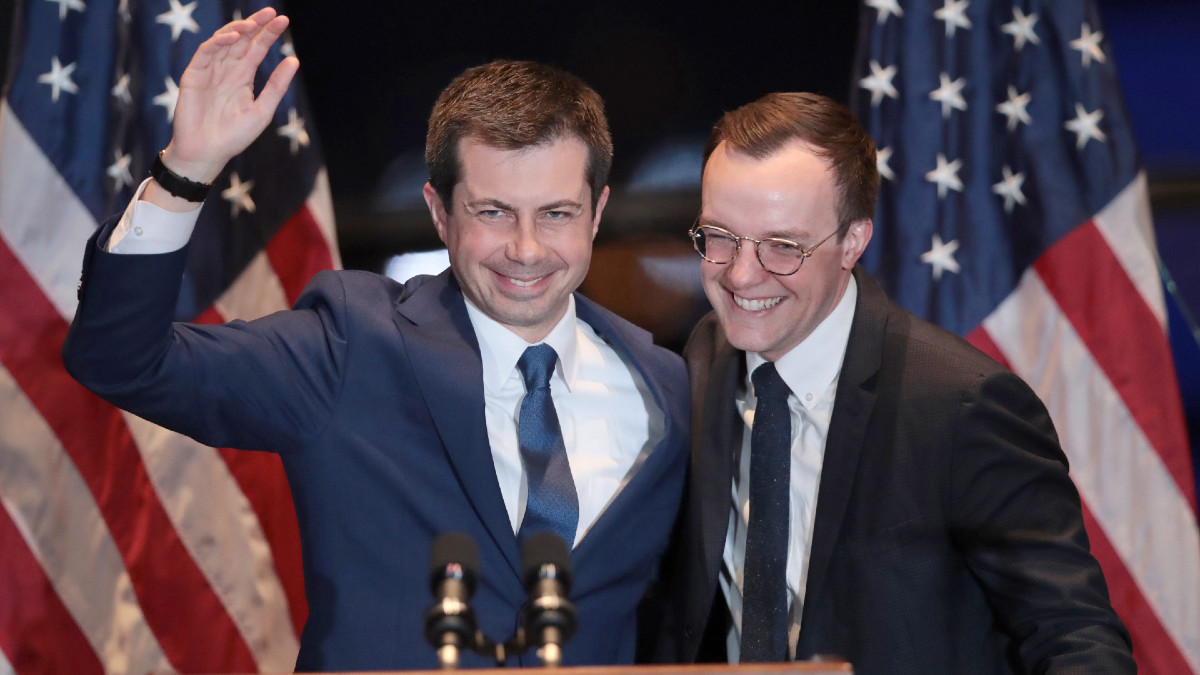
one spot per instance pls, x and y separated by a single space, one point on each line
812 365
500 348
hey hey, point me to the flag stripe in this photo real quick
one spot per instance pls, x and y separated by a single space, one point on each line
1110 316
1128 228
1127 486
49 639
1153 648
117 478
32 196
297 252
65 532
261 478
206 506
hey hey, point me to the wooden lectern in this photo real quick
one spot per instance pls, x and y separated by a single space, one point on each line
806 667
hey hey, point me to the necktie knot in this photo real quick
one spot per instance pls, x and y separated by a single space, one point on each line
768 385
536 366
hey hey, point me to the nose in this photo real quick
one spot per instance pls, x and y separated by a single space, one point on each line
744 270
526 246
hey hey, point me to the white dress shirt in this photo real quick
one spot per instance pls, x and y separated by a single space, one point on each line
609 419
810 370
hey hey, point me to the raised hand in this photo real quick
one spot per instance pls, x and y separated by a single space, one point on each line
217 115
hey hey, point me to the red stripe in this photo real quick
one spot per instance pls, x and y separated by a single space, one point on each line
1113 321
984 343
1153 648
191 625
297 252
37 632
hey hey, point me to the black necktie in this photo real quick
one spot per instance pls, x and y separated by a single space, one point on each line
553 504
764 598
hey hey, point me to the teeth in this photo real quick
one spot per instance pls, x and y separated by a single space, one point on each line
756 305
518 282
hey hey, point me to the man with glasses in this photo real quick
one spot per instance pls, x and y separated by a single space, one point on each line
863 483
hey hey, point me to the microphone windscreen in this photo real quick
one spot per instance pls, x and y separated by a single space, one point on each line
545 548
453 548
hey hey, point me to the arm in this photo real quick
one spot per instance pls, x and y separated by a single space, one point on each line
1016 516
266 384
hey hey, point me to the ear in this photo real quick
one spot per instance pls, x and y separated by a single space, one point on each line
599 210
855 242
437 210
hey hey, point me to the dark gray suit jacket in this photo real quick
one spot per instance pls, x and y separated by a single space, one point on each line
948 536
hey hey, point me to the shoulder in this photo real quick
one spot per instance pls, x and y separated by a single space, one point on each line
356 287
629 338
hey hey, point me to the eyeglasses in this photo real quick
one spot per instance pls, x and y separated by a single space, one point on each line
780 257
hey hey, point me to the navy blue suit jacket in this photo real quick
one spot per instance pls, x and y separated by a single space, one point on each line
371 391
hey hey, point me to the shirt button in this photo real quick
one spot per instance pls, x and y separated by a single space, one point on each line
808 397
137 231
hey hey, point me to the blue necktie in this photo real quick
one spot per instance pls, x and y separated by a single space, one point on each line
764 599
553 504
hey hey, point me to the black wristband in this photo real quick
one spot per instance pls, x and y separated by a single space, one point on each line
177 185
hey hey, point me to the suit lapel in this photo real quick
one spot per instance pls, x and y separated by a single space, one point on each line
716 442
853 403
444 354
633 347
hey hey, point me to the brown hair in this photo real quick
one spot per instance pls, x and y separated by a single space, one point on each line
829 128
512 105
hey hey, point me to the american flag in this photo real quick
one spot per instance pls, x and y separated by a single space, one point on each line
1013 211
127 548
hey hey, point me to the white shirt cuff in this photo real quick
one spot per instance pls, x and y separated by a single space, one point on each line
145 228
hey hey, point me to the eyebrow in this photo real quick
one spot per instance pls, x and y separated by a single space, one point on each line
495 203
796 237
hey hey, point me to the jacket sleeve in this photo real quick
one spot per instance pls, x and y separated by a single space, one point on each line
1016 516
264 384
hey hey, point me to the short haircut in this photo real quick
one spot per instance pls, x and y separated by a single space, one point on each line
512 105
761 128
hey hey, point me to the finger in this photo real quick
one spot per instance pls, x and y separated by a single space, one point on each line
276 86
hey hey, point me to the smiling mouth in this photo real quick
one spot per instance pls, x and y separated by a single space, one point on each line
756 305
523 283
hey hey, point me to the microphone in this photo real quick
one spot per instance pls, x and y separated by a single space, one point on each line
450 621
549 617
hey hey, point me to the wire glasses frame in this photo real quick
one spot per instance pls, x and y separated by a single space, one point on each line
783 258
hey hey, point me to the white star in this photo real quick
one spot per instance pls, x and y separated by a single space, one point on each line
1086 126
1010 189
949 94
882 156
1015 108
1088 45
886 8
168 98
119 170
945 175
294 131
59 79
953 12
123 10
940 257
120 90
65 5
1021 28
287 48
238 194
179 18
879 82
